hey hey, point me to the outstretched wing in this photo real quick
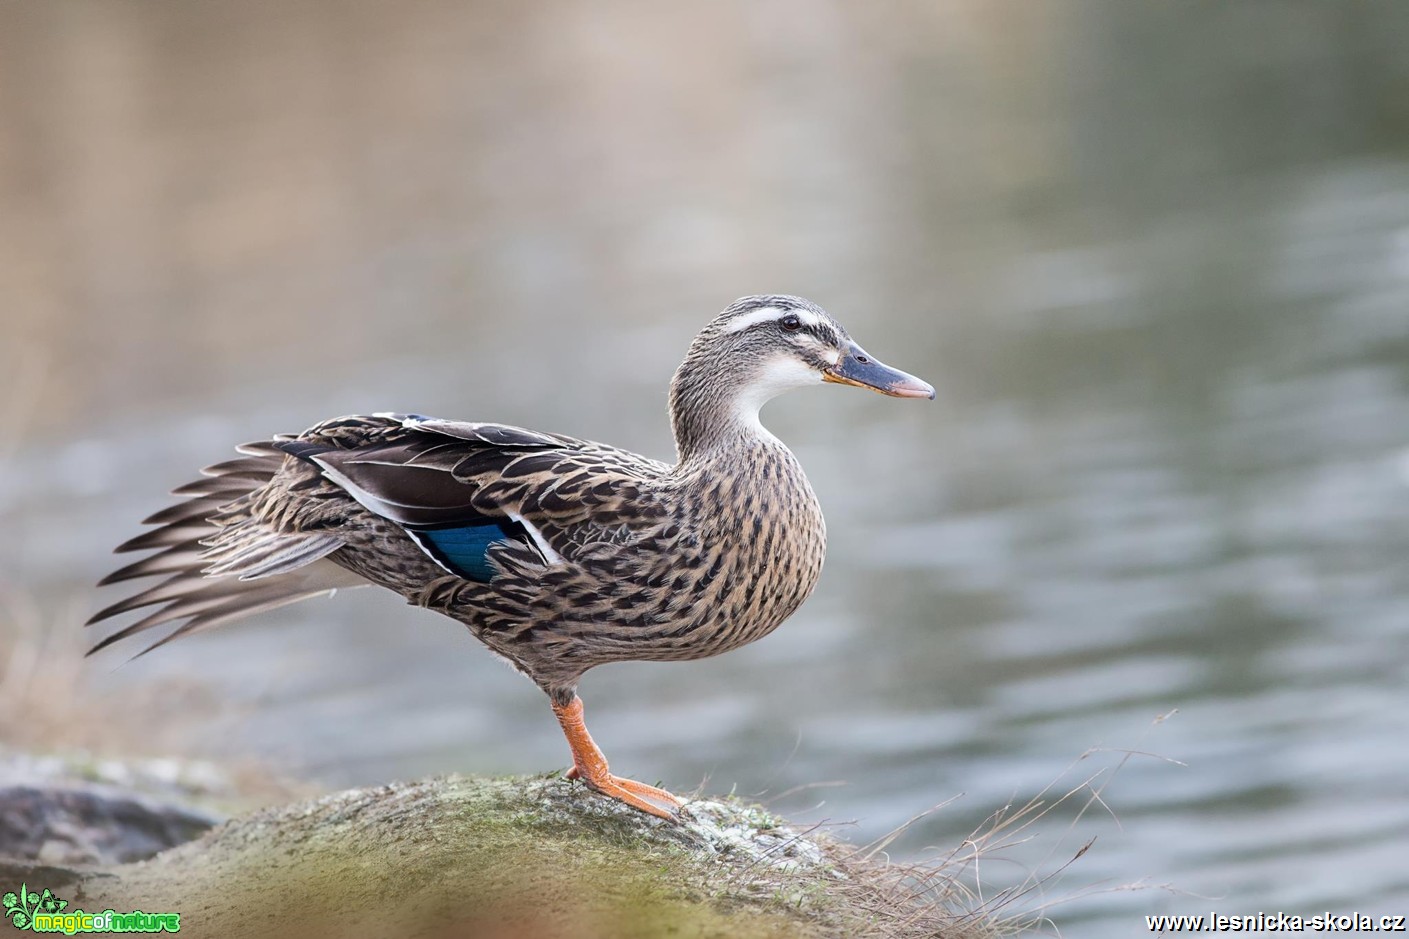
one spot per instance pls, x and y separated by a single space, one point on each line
478 499
473 494
220 561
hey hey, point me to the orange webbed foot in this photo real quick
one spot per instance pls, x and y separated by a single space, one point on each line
638 795
590 766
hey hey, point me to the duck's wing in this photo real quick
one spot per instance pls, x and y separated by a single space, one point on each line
270 565
481 499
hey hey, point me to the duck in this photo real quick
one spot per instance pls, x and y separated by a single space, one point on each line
558 554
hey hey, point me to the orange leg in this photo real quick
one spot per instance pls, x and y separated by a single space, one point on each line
590 766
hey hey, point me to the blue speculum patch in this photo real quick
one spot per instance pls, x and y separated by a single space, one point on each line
464 549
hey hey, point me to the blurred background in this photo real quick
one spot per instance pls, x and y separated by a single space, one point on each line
1154 257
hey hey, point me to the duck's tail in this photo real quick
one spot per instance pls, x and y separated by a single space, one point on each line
222 556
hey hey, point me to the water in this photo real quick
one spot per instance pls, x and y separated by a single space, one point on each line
1156 262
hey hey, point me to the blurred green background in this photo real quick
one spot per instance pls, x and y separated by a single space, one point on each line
1155 257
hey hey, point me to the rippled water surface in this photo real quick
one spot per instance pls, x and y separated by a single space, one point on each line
1157 267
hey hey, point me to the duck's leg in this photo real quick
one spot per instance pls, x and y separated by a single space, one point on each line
590 766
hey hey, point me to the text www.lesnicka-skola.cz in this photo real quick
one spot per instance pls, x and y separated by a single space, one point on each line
1276 922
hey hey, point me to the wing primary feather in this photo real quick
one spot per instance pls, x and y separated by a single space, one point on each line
210 601
211 485
270 556
176 558
167 535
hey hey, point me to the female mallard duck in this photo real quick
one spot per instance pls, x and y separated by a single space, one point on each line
559 554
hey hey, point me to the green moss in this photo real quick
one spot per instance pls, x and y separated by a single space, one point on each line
538 857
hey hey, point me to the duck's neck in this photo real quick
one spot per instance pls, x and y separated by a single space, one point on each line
712 420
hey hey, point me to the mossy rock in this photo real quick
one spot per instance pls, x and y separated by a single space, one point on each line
498 858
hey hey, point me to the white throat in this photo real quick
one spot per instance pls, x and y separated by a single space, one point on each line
782 373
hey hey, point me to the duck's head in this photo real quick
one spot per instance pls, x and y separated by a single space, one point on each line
762 346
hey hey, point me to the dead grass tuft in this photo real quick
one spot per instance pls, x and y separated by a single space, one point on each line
50 705
948 894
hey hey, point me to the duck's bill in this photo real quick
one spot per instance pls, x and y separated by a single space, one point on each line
857 368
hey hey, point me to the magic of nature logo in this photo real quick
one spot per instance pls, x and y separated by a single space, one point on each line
45 912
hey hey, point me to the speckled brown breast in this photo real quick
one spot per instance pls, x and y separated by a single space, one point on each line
749 552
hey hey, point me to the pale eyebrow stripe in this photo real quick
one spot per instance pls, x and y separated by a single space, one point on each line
767 314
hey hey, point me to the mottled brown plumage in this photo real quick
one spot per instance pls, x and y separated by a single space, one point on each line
559 554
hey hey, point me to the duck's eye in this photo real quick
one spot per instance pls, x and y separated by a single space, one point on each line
791 323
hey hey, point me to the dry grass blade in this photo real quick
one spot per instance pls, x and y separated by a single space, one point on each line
869 851
50 703
950 894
